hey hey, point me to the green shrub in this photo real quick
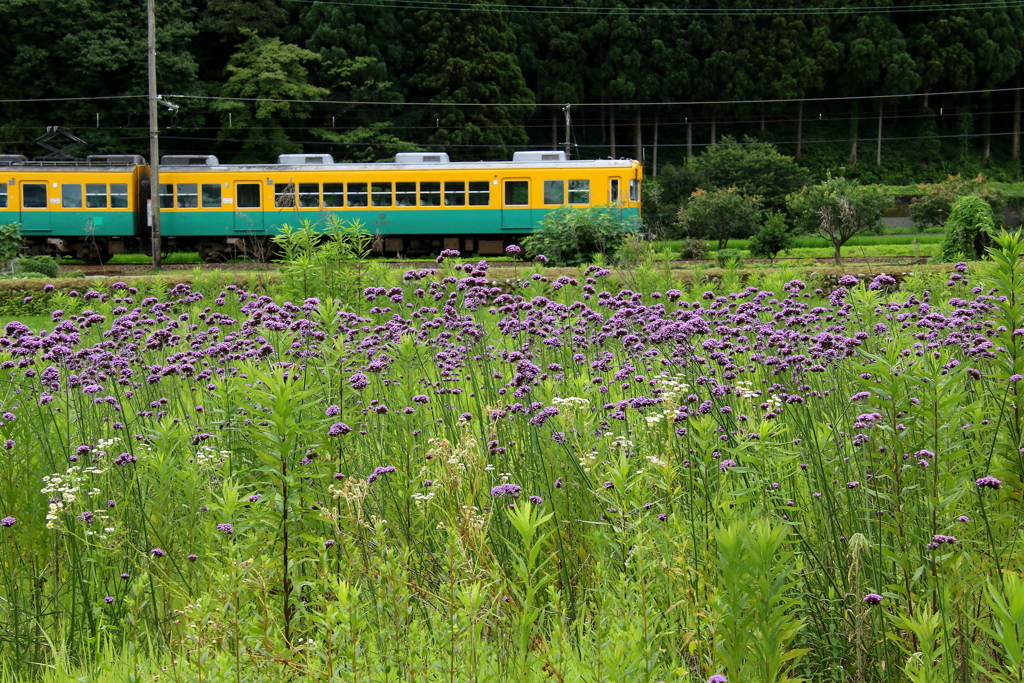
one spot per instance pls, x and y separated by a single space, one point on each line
774 236
720 215
570 237
969 230
10 240
46 265
935 204
727 258
693 248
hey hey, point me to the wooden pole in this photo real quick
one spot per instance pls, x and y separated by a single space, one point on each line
154 133
881 108
1015 139
799 129
689 139
654 167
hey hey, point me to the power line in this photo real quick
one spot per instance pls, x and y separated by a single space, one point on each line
783 100
74 99
597 104
674 11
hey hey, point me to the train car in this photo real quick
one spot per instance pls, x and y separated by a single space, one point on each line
87 209
421 203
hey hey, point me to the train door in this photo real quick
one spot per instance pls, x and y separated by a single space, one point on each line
248 207
35 206
515 203
614 190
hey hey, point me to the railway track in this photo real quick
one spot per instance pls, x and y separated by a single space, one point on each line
138 269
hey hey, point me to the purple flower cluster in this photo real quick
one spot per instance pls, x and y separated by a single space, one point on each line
377 471
506 490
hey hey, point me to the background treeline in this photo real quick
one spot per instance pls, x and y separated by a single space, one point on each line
655 80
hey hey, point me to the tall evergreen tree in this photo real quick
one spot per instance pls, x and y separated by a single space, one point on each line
88 48
267 76
469 75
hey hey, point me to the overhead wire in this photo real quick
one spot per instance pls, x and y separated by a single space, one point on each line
452 5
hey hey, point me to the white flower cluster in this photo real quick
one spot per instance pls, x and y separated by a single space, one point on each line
208 456
672 387
621 442
587 461
473 517
570 402
655 460
63 490
743 390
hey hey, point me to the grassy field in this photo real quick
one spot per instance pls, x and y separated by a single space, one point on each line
617 476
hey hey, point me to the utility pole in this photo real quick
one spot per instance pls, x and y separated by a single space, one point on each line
154 132
568 120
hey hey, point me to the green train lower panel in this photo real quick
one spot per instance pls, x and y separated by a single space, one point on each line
72 224
383 220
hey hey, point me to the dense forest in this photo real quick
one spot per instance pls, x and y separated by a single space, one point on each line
887 92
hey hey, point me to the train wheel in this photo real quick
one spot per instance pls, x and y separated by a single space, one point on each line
213 252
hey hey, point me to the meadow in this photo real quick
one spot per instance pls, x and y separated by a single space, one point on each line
438 476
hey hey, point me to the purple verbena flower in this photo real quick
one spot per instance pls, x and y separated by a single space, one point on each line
873 598
338 428
506 490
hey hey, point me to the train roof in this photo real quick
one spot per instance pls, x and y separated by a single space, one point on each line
91 162
393 166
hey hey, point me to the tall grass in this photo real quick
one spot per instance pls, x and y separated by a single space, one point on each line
437 479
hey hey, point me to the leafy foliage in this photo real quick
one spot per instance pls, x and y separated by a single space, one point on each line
571 237
969 230
753 168
729 258
693 248
720 215
10 240
839 209
469 57
46 265
936 201
772 237
323 263
269 74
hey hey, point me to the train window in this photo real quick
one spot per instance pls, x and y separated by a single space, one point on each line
479 193
33 196
613 191
3 196
334 194
405 194
188 195
119 196
381 194
517 193
211 195
95 196
554 192
248 196
579 191
634 190
430 194
71 196
166 196
284 195
357 194
455 194
309 195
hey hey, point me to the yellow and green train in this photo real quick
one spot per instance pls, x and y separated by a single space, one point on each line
419 204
